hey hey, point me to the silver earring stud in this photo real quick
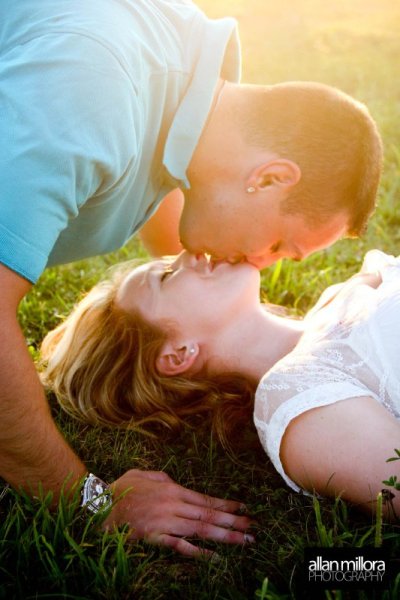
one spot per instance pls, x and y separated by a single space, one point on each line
192 351
251 189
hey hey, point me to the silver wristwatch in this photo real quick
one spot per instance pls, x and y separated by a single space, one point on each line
96 494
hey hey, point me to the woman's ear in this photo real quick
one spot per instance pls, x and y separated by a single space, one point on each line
280 171
175 360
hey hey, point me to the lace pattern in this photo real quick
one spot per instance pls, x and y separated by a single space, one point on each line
351 349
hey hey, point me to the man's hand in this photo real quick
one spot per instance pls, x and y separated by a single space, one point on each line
160 511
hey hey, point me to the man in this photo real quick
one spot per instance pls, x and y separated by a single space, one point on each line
106 108
278 171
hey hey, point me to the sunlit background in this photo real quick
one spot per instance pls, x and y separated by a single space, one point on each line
353 44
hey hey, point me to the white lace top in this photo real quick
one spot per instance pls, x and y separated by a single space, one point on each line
350 348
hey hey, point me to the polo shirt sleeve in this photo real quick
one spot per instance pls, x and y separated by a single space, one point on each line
67 130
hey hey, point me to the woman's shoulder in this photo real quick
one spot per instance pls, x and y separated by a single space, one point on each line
311 375
291 376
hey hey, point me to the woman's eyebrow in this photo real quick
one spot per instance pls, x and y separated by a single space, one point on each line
151 279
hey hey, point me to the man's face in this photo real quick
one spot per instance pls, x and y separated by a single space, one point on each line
254 230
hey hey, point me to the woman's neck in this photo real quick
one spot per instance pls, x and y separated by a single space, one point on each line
256 342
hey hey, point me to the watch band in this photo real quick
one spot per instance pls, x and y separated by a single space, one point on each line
96 494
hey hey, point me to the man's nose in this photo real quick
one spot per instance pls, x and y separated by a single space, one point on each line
184 259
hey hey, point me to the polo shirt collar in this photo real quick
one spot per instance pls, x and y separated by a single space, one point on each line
219 57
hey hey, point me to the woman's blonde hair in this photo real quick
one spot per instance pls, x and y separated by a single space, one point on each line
100 362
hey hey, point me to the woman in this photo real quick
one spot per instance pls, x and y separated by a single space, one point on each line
168 340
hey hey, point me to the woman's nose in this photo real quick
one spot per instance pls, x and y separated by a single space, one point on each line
184 259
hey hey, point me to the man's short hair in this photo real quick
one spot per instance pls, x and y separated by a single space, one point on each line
333 139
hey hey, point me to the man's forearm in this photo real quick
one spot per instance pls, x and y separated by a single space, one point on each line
33 453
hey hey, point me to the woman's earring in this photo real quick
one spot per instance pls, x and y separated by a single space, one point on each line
251 189
192 351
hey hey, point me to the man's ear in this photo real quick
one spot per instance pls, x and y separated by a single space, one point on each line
175 360
279 171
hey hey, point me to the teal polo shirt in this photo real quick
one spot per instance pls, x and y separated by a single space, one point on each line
102 103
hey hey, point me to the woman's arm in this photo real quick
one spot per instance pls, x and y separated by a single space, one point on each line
341 449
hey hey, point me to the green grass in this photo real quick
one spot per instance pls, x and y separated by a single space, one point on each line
355 45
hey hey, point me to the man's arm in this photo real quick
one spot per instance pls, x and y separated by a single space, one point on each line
160 235
32 450
33 453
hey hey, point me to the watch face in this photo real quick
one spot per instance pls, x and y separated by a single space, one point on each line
96 494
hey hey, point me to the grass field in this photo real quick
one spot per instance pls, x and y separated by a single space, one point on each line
354 44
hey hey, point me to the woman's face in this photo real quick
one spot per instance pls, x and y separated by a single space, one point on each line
190 292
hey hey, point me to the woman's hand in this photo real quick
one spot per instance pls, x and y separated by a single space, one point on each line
160 511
